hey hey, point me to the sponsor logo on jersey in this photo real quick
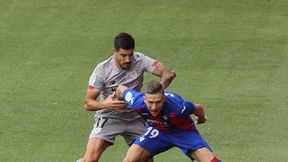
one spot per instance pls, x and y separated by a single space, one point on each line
158 123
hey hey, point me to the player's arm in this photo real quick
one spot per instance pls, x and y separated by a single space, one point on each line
119 91
200 114
194 109
166 75
133 98
91 103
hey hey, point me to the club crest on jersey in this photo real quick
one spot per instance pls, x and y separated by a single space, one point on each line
165 117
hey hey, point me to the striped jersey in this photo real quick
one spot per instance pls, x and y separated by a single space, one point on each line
174 117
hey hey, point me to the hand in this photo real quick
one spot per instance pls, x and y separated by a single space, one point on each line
119 91
168 74
114 104
201 121
167 77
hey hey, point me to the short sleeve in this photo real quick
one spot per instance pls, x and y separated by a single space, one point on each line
96 80
184 107
133 98
148 63
188 107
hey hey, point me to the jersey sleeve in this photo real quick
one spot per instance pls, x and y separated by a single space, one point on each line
188 107
149 64
96 80
184 107
133 98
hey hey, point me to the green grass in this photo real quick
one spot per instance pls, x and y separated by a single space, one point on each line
230 56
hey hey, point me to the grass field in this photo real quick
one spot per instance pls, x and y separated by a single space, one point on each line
230 56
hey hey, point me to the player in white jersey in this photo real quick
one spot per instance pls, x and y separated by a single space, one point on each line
125 67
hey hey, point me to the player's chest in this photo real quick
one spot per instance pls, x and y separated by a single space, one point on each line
116 77
159 121
123 76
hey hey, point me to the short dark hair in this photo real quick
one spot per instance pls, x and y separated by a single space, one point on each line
124 41
154 87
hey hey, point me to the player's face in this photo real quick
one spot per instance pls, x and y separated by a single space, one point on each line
124 57
154 103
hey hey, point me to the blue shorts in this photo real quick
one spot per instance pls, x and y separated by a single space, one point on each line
155 141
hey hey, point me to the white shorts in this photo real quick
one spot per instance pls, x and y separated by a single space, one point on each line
108 128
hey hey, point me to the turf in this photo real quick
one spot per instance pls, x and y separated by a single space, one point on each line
230 56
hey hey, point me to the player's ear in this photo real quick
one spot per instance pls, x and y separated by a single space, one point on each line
114 50
144 98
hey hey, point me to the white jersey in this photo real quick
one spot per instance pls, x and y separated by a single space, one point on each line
107 76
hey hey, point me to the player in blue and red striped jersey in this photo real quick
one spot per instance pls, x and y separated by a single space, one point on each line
169 124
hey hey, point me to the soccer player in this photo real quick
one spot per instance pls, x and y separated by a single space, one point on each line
170 124
125 67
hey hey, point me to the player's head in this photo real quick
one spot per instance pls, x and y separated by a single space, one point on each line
123 50
154 97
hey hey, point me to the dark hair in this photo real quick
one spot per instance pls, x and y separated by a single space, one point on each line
124 41
154 87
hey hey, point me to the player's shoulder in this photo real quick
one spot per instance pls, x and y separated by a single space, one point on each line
131 94
139 55
131 91
173 96
133 97
173 99
106 63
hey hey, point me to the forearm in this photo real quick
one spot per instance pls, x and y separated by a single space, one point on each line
165 81
93 105
166 75
199 112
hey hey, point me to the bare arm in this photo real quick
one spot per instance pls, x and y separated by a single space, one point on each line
199 112
166 75
91 103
